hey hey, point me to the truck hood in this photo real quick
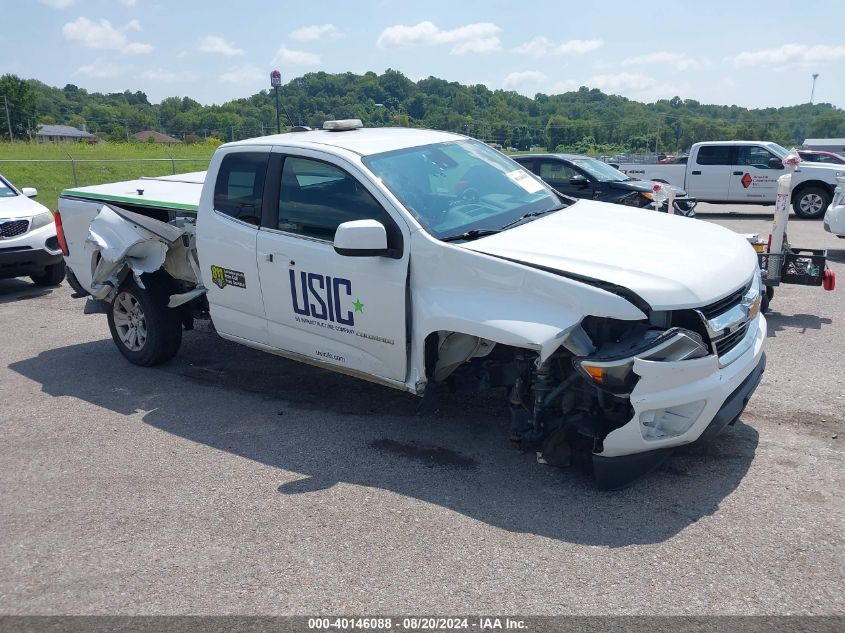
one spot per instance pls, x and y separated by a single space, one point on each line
670 261
20 207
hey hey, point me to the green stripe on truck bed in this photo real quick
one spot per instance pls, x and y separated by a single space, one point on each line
142 201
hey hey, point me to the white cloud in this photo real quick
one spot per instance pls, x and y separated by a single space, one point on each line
245 75
216 44
58 4
541 46
789 55
479 37
296 58
315 32
622 82
102 35
128 3
101 70
681 61
516 79
166 76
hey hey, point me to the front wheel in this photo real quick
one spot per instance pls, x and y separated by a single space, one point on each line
810 202
144 329
51 276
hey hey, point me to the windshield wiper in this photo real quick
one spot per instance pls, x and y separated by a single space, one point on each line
473 234
533 214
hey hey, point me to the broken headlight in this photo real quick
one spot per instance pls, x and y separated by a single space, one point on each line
611 367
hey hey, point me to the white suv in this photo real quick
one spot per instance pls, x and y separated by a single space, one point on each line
28 243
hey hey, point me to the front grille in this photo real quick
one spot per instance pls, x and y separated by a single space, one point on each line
13 228
722 305
728 342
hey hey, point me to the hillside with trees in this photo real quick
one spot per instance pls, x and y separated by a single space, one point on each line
586 120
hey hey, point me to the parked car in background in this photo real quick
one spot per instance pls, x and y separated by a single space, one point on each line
744 172
834 219
818 156
28 243
580 176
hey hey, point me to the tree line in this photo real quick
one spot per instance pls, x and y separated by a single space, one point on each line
585 120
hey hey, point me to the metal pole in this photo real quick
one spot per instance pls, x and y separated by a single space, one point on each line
8 118
813 89
278 116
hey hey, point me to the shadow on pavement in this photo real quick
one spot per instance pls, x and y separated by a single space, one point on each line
836 255
778 322
19 290
320 428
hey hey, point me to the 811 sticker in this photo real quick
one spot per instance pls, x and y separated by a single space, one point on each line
223 277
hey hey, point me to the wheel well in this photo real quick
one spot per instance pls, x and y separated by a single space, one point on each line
812 183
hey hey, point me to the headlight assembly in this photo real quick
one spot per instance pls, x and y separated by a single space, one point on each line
42 219
612 368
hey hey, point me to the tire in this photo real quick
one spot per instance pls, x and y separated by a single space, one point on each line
144 329
810 202
52 276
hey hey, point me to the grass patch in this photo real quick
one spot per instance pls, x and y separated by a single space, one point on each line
50 178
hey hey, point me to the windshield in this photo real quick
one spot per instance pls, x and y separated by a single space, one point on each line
6 190
599 170
780 151
461 186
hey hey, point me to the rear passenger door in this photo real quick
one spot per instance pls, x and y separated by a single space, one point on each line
709 175
227 231
344 311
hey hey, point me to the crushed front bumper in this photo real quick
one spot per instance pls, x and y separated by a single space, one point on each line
722 393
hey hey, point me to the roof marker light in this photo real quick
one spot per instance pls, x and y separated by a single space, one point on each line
343 125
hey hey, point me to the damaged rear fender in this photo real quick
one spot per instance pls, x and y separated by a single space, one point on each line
122 242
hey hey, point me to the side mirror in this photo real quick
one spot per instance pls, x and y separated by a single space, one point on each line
775 163
579 181
361 238
29 192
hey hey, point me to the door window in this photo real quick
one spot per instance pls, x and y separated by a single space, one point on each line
316 197
714 155
754 156
555 171
240 186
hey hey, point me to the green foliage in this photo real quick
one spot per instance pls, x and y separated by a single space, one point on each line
18 100
586 119
51 178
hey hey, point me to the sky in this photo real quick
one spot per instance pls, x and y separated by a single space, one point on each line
754 54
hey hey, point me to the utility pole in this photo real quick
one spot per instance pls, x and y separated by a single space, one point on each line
8 118
813 89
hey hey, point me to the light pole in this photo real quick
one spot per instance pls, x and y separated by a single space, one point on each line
813 89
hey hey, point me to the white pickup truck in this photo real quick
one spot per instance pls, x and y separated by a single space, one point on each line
420 259
745 172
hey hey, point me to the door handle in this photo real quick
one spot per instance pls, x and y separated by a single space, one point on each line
696 173
268 257
737 173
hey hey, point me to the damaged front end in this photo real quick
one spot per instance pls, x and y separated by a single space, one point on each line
124 243
617 396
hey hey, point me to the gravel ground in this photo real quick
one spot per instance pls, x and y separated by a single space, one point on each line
232 482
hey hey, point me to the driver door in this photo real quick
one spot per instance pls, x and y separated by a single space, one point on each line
558 174
753 177
346 311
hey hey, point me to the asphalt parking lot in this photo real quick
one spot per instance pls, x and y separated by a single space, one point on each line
232 482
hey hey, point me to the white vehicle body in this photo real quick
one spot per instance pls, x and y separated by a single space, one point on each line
28 244
744 172
834 219
391 301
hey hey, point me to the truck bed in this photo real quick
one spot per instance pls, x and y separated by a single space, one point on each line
161 197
